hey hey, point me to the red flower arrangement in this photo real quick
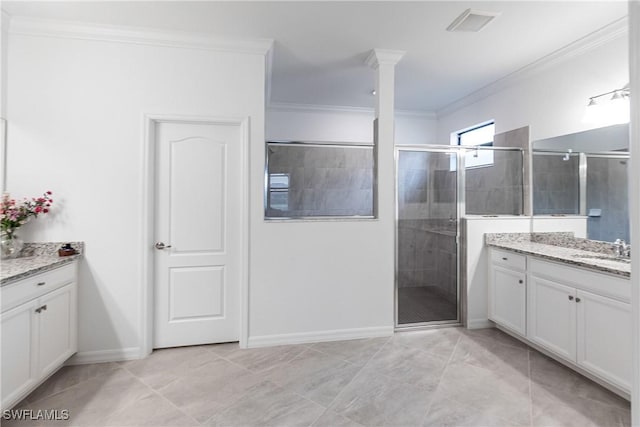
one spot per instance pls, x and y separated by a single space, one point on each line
13 214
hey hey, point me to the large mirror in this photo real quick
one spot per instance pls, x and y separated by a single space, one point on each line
585 175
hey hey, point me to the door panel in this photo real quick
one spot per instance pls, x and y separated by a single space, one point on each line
19 329
196 293
552 316
56 338
426 237
197 195
604 344
507 301
198 219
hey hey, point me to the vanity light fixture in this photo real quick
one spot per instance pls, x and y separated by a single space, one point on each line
609 108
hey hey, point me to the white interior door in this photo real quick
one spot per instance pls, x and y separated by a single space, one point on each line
198 231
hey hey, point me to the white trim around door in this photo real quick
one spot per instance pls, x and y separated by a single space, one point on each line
147 191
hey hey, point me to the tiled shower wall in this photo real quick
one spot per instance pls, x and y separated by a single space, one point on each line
556 184
324 181
607 189
495 189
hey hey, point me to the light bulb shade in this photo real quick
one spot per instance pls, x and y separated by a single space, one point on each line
608 111
617 96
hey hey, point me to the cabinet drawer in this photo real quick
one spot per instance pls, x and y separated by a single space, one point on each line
37 285
580 278
508 259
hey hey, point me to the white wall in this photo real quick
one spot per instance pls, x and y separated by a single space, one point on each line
344 125
552 101
75 114
4 40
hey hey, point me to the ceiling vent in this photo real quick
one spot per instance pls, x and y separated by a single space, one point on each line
472 20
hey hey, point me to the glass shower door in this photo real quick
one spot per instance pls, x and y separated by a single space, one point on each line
427 237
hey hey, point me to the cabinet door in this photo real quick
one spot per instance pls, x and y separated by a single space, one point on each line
57 338
604 338
19 332
507 299
552 316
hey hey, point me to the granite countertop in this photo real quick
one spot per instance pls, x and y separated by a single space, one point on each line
563 247
36 258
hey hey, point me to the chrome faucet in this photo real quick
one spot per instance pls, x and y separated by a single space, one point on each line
622 248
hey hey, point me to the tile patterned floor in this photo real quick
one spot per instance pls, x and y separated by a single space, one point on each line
445 377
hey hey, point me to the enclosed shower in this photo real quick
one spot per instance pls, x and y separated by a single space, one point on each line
435 187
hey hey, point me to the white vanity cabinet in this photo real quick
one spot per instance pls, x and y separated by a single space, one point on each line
39 330
582 316
507 290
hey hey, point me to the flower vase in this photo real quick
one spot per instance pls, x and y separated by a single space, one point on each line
10 245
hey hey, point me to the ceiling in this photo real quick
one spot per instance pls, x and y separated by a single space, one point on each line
320 46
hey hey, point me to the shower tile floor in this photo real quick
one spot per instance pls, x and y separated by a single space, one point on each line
443 377
424 304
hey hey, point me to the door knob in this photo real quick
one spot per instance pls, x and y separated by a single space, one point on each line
161 245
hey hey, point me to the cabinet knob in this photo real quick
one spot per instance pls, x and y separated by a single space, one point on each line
577 299
504 258
520 281
41 283
570 297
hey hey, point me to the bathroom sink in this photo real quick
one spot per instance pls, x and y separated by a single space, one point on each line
604 257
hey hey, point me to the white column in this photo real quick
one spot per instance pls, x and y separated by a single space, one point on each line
634 199
384 62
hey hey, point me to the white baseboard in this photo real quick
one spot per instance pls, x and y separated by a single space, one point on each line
101 356
319 336
479 324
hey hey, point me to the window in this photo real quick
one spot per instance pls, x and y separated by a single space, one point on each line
478 136
279 191
315 180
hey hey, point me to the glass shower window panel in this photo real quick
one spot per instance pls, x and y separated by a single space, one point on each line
315 180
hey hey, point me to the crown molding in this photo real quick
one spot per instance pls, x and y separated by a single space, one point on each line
379 57
136 35
608 33
293 108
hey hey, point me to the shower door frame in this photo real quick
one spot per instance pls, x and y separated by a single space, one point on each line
460 209
461 213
